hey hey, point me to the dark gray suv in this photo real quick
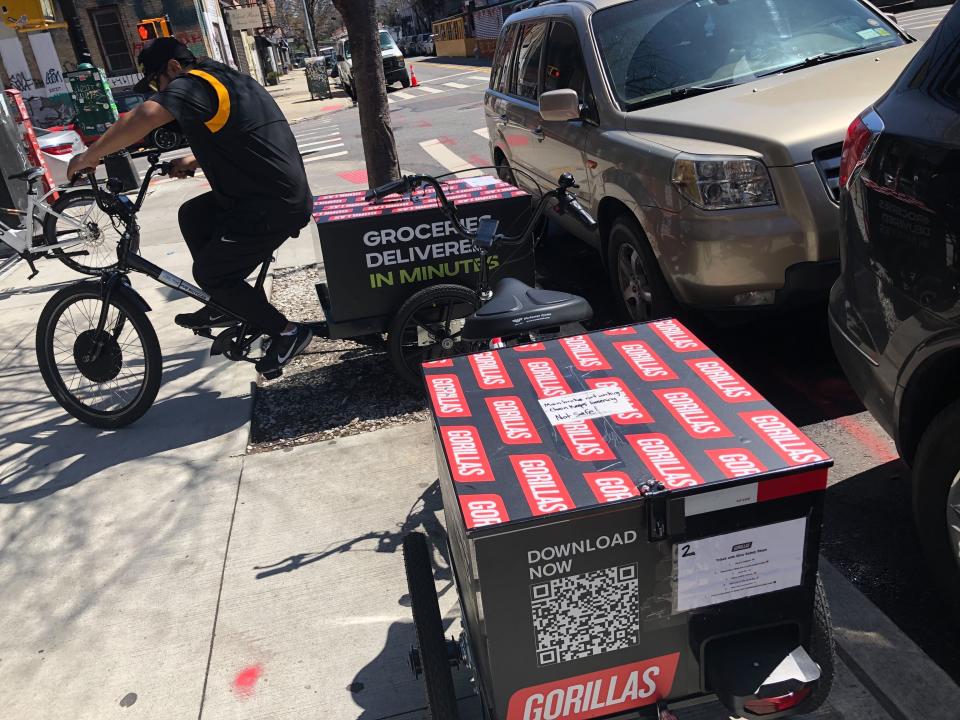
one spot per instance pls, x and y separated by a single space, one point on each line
895 311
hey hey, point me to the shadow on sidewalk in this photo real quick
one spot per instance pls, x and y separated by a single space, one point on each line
423 515
58 451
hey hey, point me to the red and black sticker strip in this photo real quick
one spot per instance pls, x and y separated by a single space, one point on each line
351 205
693 420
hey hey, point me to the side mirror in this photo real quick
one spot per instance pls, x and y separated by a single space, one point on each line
560 105
340 58
891 18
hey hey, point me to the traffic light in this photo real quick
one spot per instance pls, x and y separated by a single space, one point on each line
153 28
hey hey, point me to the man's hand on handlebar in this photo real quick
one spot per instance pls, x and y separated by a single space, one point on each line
83 162
183 167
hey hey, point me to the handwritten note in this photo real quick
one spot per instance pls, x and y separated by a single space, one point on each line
586 405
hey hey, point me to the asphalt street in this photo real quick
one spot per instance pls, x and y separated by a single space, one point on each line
868 532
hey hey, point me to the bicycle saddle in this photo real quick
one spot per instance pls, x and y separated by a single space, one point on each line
30 175
517 307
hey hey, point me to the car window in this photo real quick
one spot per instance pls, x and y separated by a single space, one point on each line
526 68
386 41
501 59
563 65
650 47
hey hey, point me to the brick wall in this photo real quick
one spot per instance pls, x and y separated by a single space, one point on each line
184 24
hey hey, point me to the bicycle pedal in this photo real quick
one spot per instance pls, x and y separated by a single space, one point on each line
203 332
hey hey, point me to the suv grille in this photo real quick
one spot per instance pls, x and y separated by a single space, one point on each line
827 160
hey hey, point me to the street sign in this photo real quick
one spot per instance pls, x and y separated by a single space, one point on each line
244 18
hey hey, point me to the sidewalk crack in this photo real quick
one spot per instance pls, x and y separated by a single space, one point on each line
223 572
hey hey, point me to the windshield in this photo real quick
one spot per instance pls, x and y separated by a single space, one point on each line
386 42
652 47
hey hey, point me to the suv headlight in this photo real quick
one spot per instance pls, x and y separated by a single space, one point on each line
721 183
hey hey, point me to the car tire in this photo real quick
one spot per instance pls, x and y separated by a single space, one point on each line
165 139
405 80
640 292
936 498
504 172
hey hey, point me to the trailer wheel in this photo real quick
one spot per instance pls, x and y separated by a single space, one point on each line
822 650
441 699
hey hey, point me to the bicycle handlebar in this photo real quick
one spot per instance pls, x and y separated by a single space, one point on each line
566 202
156 167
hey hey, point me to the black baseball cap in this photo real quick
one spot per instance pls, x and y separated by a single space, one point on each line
155 56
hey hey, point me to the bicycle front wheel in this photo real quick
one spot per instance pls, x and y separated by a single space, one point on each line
80 218
106 378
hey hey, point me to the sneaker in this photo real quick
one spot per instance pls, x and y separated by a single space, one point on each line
204 318
283 348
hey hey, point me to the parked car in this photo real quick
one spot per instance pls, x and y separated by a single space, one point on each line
895 311
58 146
704 136
426 45
394 67
165 138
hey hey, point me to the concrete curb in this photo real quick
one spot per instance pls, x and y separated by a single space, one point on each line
906 683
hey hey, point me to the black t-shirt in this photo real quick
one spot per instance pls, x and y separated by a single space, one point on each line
245 147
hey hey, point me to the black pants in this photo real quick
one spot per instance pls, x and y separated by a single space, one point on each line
222 261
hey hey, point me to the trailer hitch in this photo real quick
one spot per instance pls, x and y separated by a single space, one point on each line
454 656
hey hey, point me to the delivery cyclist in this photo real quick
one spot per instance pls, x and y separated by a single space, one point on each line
259 194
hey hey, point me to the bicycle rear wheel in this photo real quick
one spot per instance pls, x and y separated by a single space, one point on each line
82 218
109 389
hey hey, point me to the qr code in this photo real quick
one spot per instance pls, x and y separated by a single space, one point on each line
579 616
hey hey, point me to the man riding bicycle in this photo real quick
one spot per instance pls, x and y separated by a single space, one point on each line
259 193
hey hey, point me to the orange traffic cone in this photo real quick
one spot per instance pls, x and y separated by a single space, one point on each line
413 78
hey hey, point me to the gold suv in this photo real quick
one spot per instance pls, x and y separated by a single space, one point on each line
705 135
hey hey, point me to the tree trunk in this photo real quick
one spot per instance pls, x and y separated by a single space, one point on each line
379 146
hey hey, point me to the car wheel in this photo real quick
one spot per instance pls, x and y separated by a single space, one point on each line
165 139
405 80
504 172
936 498
639 288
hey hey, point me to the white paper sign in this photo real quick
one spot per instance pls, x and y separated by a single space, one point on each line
739 564
482 181
586 405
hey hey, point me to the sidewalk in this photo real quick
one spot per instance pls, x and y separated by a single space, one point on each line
159 572
294 99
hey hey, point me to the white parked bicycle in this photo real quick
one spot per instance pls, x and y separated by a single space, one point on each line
73 229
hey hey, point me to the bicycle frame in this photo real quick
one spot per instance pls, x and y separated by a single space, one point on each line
22 239
129 260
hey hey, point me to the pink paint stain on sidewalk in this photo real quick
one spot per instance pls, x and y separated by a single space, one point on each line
246 679
357 177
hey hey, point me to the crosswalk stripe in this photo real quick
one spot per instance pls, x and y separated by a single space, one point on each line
483 132
458 86
401 95
314 158
481 78
921 27
390 100
921 13
324 146
428 89
327 130
322 138
446 157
